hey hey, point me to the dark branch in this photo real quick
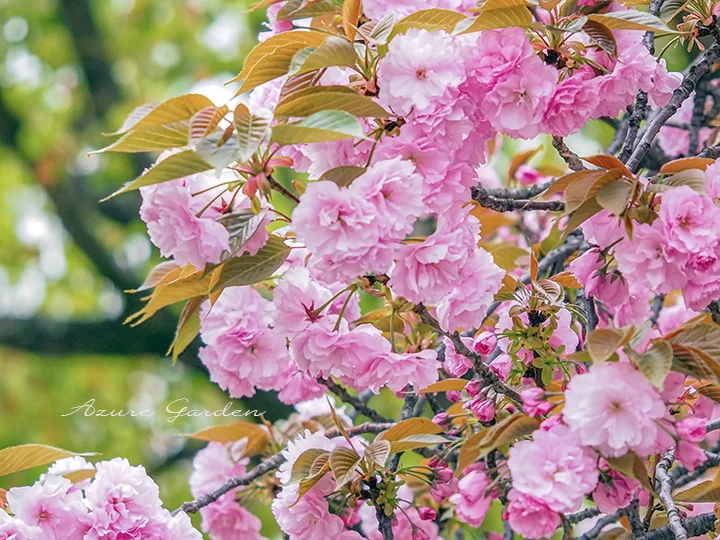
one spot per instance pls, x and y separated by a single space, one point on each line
570 157
486 200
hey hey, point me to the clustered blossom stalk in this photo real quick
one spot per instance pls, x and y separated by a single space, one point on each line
561 347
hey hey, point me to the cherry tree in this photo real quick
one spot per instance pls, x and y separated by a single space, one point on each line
340 230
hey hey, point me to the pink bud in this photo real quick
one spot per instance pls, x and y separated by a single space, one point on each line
434 462
483 408
453 396
444 474
485 343
527 175
426 513
441 418
473 387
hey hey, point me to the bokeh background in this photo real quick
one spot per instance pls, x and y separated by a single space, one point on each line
69 71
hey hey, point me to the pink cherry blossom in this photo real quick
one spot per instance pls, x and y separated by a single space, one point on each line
420 68
690 454
15 529
691 429
456 364
571 105
225 519
171 213
530 517
397 371
533 402
615 492
212 467
51 506
472 501
614 408
554 467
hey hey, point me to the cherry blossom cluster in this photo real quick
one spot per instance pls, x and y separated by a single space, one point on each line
554 359
120 501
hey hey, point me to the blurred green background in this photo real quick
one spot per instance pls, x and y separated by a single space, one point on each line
69 71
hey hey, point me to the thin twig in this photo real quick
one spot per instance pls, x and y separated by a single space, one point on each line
678 98
486 200
355 402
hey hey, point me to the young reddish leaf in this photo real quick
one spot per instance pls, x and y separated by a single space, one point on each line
174 166
251 130
188 327
76 477
521 159
319 127
602 343
351 10
163 272
304 9
271 58
26 456
343 462
567 280
344 175
602 36
153 115
632 20
315 99
429 19
614 196
656 362
445 386
257 436
608 163
204 122
302 467
335 51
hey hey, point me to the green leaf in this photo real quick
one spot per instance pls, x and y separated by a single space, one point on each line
614 196
241 225
319 127
26 456
250 269
271 58
335 51
343 462
158 274
697 350
251 130
656 363
429 19
154 115
671 9
632 19
304 9
344 175
174 166
323 98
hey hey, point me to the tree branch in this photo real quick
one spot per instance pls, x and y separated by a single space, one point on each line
678 98
355 402
486 200
570 157
664 486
